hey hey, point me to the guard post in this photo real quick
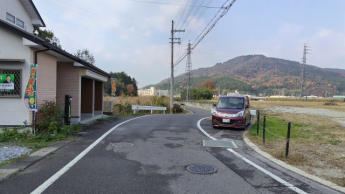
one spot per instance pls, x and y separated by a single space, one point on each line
68 100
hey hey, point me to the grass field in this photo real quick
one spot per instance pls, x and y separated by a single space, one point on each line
317 143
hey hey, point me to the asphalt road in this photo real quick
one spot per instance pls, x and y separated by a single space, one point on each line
162 146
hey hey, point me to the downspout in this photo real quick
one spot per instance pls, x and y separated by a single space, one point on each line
35 112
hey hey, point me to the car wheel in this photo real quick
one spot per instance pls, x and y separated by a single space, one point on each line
214 127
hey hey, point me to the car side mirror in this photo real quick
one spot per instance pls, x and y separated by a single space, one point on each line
214 104
248 106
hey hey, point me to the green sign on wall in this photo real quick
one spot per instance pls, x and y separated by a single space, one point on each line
6 82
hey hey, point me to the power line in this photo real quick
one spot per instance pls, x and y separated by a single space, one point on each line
162 3
182 13
225 11
194 14
205 32
198 20
190 10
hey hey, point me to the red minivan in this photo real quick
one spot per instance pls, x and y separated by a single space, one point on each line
231 111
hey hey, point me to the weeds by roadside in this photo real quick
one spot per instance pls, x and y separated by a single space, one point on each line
316 145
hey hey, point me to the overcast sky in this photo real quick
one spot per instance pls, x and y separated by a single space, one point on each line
133 36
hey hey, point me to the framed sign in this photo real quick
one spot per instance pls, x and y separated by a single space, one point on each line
10 83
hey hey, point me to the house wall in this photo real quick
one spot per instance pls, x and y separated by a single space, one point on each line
15 8
68 83
46 77
13 111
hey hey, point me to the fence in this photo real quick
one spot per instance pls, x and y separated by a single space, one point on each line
152 108
273 130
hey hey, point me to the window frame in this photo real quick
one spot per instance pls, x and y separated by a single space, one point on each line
7 17
20 21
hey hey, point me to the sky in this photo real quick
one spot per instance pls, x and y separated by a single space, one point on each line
133 36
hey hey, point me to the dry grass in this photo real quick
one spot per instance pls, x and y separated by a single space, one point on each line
122 104
319 147
310 104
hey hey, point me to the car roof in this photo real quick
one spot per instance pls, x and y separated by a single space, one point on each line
233 96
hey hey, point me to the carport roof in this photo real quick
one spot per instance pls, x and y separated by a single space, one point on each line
47 45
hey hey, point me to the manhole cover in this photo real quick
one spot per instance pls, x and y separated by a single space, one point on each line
175 138
173 145
122 144
201 169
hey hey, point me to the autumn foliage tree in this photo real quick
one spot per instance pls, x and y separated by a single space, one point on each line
208 84
130 89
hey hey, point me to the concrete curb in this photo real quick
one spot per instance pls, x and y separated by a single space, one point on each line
291 168
23 163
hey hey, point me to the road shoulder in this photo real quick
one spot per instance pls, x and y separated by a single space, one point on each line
289 167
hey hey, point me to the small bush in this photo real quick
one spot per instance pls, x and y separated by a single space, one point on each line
330 104
177 108
68 130
12 134
49 118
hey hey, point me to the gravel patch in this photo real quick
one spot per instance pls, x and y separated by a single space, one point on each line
8 152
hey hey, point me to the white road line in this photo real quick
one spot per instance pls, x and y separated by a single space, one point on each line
57 175
275 177
188 110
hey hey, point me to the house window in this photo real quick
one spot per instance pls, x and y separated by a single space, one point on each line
20 23
10 18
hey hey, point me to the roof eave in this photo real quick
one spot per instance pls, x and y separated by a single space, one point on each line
41 42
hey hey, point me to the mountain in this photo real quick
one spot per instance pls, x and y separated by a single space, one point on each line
256 74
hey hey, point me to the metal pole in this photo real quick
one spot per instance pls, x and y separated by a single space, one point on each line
172 68
263 131
258 123
288 140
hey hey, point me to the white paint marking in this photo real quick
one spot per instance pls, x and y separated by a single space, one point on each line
57 175
275 177
188 110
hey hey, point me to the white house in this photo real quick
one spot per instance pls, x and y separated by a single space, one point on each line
58 74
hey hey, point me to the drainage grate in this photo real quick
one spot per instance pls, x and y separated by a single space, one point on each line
122 144
175 138
219 143
201 169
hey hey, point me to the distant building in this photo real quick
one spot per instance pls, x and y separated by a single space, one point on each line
339 96
152 92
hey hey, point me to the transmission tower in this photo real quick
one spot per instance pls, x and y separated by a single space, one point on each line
189 69
304 62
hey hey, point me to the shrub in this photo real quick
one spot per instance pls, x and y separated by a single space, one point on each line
177 108
12 134
68 130
49 118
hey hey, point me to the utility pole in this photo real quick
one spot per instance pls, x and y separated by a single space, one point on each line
189 68
304 62
172 64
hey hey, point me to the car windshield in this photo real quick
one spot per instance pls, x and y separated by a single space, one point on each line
230 103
